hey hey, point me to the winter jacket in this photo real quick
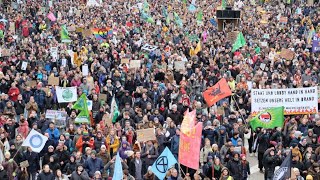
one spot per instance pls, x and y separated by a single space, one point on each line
270 162
39 97
13 93
234 167
263 141
4 175
33 160
19 106
93 165
204 154
81 147
54 134
153 152
83 176
10 167
110 167
175 145
114 146
98 143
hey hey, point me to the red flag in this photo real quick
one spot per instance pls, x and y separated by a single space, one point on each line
217 92
188 121
189 147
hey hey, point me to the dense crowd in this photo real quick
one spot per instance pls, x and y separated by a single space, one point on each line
157 94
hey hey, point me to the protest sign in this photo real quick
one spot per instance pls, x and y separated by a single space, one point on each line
24 164
66 94
54 114
107 120
93 3
135 64
287 54
86 32
31 83
51 17
283 20
146 135
264 44
232 36
53 81
149 47
266 36
102 97
294 100
316 44
85 70
54 52
5 53
124 60
24 65
179 65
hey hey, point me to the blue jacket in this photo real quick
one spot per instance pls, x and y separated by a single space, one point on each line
93 165
39 97
175 144
53 134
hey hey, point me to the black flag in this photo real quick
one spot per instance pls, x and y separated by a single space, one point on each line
284 172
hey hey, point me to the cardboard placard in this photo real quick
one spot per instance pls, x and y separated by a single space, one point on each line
287 54
5 53
283 20
135 64
12 27
86 33
124 60
79 30
24 164
179 65
53 81
107 120
146 135
31 83
102 97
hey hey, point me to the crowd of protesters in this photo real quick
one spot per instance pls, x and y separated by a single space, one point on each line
155 95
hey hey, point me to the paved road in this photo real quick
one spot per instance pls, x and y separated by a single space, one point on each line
255 174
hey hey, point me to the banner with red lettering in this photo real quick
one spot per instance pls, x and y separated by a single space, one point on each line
189 147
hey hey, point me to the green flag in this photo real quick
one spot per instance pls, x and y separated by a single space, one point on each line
64 34
184 1
240 41
114 110
223 4
199 17
178 20
81 104
146 6
269 118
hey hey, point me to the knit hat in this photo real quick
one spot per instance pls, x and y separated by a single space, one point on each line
66 134
94 152
103 147
242 155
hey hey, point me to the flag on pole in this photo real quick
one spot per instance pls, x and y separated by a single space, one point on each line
199 17
82 105
118 172
217 92
164 162
114 110
284 172
240 41
178 20
312 32
35 141
269 118
64 34
223 4
188 121
146 6
198 48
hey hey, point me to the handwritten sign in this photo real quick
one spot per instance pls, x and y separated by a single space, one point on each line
53 81
146 135
287 54
135 64
179 65
124 60
283 20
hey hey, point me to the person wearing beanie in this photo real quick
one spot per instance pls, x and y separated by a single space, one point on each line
309 177
84 141
245 166
270 161
314 171
80 173
93 164
105 157
99 140
226 174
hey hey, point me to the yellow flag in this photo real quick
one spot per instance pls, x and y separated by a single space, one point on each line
198 48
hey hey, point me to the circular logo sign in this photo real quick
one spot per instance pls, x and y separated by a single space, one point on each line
36 141
265 117
162 164
67 95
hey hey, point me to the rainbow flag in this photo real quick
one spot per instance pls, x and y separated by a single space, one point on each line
101 34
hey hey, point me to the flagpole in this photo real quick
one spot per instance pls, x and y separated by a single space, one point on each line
16 152
238 109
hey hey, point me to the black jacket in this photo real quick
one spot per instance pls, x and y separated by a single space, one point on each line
33 160
270 162
19 105
235 169
45 176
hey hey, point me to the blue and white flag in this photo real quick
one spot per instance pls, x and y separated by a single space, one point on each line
35 141
118 173
163 163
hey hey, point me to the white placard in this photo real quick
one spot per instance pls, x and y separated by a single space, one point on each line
149 47
53 114
54 53
294 100
24 65
68 94
85 70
